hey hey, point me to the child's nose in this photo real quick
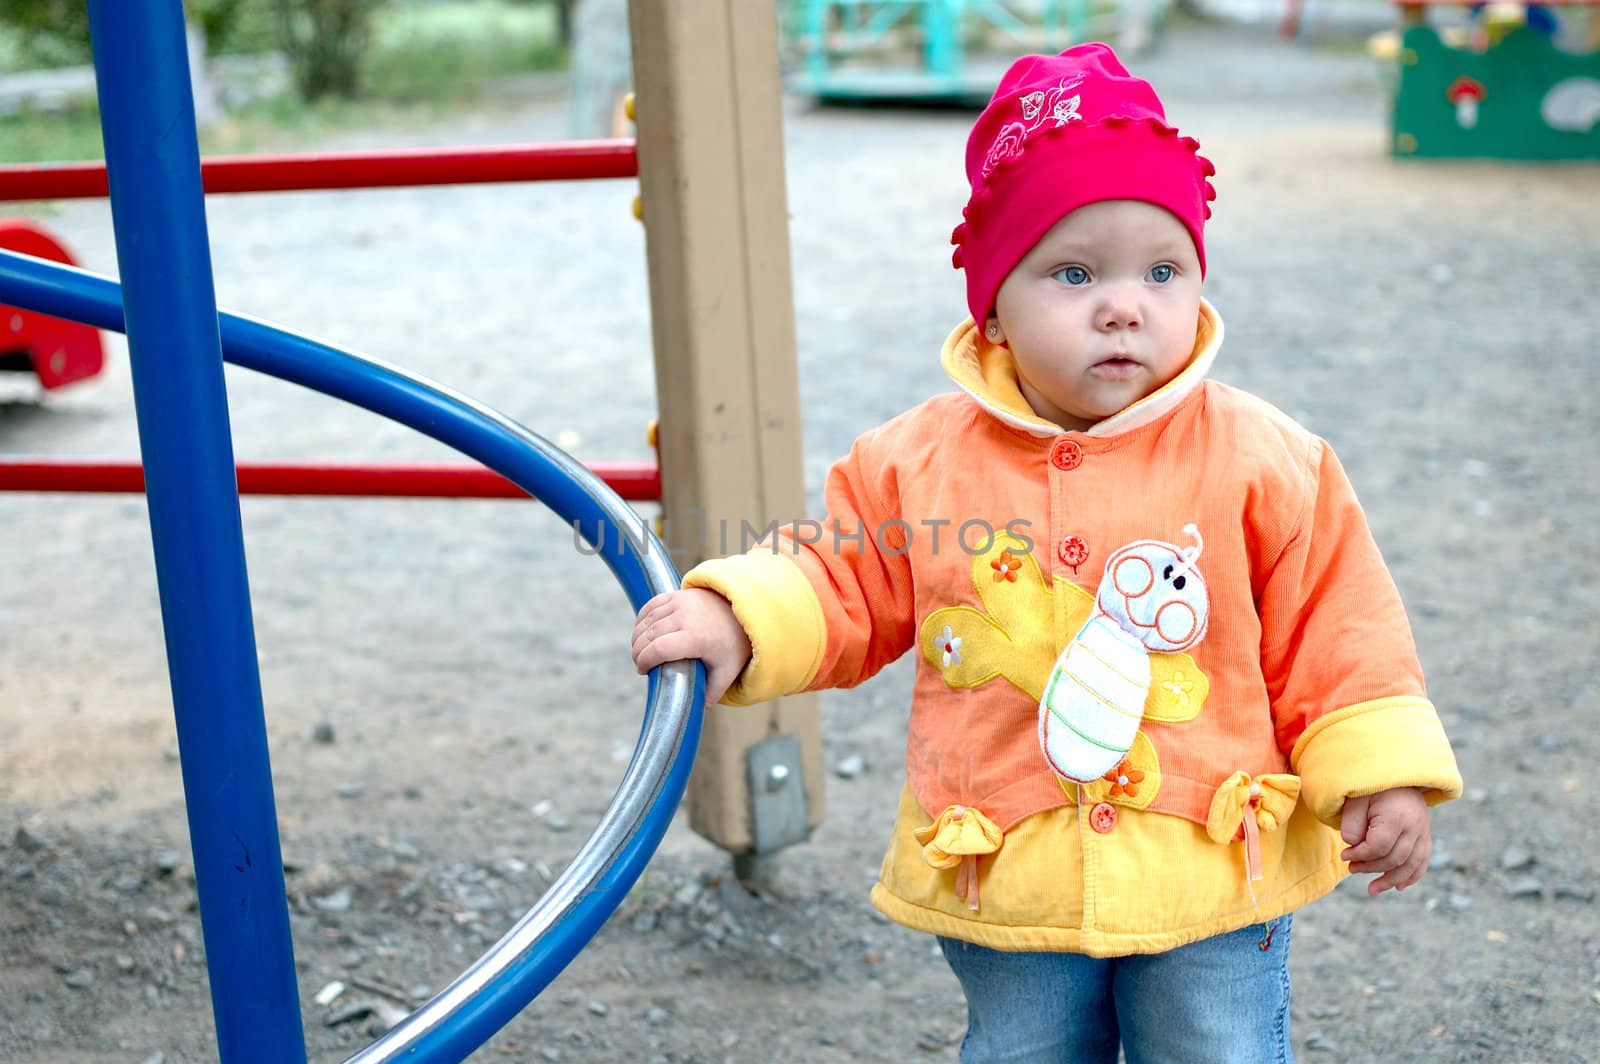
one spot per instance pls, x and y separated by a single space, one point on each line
1121 311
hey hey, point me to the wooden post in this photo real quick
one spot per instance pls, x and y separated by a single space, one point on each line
710 132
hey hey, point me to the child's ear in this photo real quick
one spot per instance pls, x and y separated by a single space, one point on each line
992 331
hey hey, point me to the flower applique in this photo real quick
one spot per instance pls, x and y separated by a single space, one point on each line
1133 783
1179 687
1124 780
948 647
1012 638
1005 567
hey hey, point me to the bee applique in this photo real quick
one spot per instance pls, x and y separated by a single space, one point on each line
1151 598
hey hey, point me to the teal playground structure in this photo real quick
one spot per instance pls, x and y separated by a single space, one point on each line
1521 81
177 342
942 50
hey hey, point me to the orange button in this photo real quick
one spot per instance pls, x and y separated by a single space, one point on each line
1066 454
1074 551
1103 817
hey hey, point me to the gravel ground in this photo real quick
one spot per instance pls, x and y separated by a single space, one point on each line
448 690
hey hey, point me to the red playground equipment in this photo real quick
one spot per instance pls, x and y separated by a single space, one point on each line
57 352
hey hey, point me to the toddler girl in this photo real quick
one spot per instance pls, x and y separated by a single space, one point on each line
1166 692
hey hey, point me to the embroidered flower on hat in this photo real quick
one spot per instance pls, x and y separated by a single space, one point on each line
1007 145
1038 108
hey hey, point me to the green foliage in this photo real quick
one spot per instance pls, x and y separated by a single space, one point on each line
324 40
235 27
48 137
424 59
48 33
438 51
410 51
55 33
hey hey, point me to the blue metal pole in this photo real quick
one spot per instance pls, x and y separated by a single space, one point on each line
158 213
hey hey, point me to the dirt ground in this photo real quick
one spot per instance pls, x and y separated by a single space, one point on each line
448 690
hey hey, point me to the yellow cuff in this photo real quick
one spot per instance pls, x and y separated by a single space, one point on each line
1371 747
780 613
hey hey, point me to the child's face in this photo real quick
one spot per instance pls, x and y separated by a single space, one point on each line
1102 311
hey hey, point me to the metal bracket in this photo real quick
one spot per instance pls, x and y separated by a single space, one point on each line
777 794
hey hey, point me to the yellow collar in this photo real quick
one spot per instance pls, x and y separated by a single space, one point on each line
988 373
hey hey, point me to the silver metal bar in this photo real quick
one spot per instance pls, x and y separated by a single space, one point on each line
659 745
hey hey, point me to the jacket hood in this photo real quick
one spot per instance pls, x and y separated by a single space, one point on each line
988 373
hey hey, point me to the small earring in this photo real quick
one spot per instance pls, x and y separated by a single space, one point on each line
993 331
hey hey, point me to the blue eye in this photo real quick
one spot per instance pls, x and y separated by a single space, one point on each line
1162 274
1072 275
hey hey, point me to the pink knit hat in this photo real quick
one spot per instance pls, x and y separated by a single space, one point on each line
1063 131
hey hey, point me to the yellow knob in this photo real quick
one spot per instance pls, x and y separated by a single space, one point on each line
627 107
638 209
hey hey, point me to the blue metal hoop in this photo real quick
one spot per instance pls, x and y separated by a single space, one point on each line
513 971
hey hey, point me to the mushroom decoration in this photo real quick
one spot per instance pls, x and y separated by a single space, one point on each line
1466 93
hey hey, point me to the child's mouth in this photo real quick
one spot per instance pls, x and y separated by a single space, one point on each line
1117 367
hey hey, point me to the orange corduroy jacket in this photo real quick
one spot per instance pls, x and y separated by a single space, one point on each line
978 535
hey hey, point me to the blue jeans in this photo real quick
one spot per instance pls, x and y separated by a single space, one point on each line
1222 1000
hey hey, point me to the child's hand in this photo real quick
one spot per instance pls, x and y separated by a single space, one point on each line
693 623
1388 832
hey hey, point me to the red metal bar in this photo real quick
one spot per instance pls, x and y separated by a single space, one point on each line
555 161
634 481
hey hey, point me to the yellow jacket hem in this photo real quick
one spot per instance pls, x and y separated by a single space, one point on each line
1094 942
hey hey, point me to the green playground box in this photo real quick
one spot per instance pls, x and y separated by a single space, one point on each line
1520 97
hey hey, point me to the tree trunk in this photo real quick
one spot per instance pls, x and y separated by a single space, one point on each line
602 67
564 22
325 40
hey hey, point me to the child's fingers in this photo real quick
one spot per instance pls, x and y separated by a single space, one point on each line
644 632
718 679
1396 856
656 601
1419 862
1379 839
649 630
662 605
1353 821
674 645
1416 865
1405 874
